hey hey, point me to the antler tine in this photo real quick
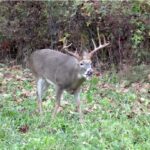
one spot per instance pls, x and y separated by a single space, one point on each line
99 39
94 43
76 51
65 47
104 39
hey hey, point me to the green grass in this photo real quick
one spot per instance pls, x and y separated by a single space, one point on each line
115 118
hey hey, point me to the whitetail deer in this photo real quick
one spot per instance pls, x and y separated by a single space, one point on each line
66 72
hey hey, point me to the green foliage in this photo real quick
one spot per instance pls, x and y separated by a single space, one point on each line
137 36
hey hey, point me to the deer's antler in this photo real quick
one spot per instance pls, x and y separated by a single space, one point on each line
100 44
65 47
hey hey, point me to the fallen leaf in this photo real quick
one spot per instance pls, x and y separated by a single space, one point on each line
24 128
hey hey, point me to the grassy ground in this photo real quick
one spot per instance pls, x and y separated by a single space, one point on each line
116 116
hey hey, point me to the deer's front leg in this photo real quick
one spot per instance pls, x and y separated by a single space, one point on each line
77 98
58 107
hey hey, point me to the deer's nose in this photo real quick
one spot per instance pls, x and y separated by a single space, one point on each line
90 72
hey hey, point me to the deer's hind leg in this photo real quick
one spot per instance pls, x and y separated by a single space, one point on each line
42 86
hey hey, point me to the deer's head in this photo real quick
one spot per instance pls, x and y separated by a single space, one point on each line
85 62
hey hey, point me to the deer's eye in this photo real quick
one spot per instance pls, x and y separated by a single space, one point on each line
81 64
